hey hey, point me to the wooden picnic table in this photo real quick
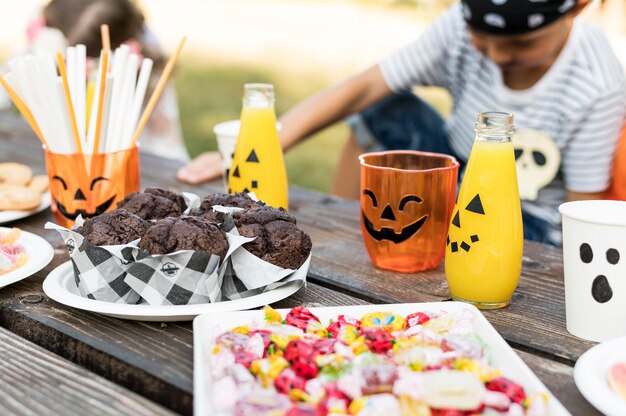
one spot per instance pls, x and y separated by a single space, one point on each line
59 360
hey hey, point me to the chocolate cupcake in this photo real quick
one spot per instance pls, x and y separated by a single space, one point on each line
185 233
278 240
114 227
154 203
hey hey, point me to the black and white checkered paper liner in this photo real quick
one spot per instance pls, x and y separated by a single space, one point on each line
128 274
99 271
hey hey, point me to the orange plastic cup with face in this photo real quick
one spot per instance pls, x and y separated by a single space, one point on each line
407 199
90 184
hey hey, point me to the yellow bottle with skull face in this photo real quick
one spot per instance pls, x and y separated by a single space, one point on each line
258 165
483 258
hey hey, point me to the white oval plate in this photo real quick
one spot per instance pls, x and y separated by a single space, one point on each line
60 286
39 253
590 375
8 216
207 327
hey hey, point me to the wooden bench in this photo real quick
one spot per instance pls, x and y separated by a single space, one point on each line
37 382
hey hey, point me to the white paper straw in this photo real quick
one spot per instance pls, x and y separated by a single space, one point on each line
81 90
40 89
91 132
138 99
122 110
70 66
106 112
119 64
64 120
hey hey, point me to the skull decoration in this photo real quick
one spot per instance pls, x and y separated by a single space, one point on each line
537 158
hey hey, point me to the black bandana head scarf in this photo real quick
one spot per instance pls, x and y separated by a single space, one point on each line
511 17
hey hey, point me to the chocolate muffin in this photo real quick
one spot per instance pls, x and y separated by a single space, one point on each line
238 200
262 214
114 227
278 240
185 233
154 203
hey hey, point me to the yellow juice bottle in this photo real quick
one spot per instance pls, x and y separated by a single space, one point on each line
258 165
483 258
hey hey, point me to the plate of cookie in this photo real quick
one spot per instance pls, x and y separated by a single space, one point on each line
21 193
21 255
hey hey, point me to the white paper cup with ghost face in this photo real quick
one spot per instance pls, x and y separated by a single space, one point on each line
594 260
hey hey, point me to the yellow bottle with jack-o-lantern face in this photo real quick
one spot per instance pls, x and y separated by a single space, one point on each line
258 165
483 258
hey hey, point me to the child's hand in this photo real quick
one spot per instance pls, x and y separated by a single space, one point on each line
204 167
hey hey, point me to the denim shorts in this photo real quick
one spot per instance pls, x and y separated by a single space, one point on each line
405 122
401 122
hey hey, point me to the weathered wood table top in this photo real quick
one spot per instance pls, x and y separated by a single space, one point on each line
59 360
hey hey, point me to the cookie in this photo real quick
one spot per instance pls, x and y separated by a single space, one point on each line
39 183
18 199
15 173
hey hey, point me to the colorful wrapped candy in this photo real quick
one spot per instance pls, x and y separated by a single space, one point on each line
424 364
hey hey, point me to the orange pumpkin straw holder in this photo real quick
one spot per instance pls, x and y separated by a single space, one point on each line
111 176
407 199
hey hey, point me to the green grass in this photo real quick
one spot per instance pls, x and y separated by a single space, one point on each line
210 93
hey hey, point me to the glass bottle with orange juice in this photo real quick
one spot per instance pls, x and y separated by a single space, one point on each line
483 258
258 164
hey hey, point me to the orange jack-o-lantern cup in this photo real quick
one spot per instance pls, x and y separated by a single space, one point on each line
407 198
88 184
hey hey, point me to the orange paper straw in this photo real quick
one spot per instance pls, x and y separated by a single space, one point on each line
157 91
103 71
68 102
28 115
104 34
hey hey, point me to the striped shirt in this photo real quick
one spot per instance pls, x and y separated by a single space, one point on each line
580 102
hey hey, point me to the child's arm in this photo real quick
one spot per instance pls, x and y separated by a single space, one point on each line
311 115
332 104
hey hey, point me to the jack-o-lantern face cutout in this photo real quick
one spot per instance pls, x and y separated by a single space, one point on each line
474 208
73 200
252 184
537 159
382 223
601 290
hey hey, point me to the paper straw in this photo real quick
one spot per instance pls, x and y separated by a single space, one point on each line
117 140
110 83
119 65
65 119
24 110
93 106
104 34
70 56
157 91
81 89
102 80
68 103
42 87
20 84
138 99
